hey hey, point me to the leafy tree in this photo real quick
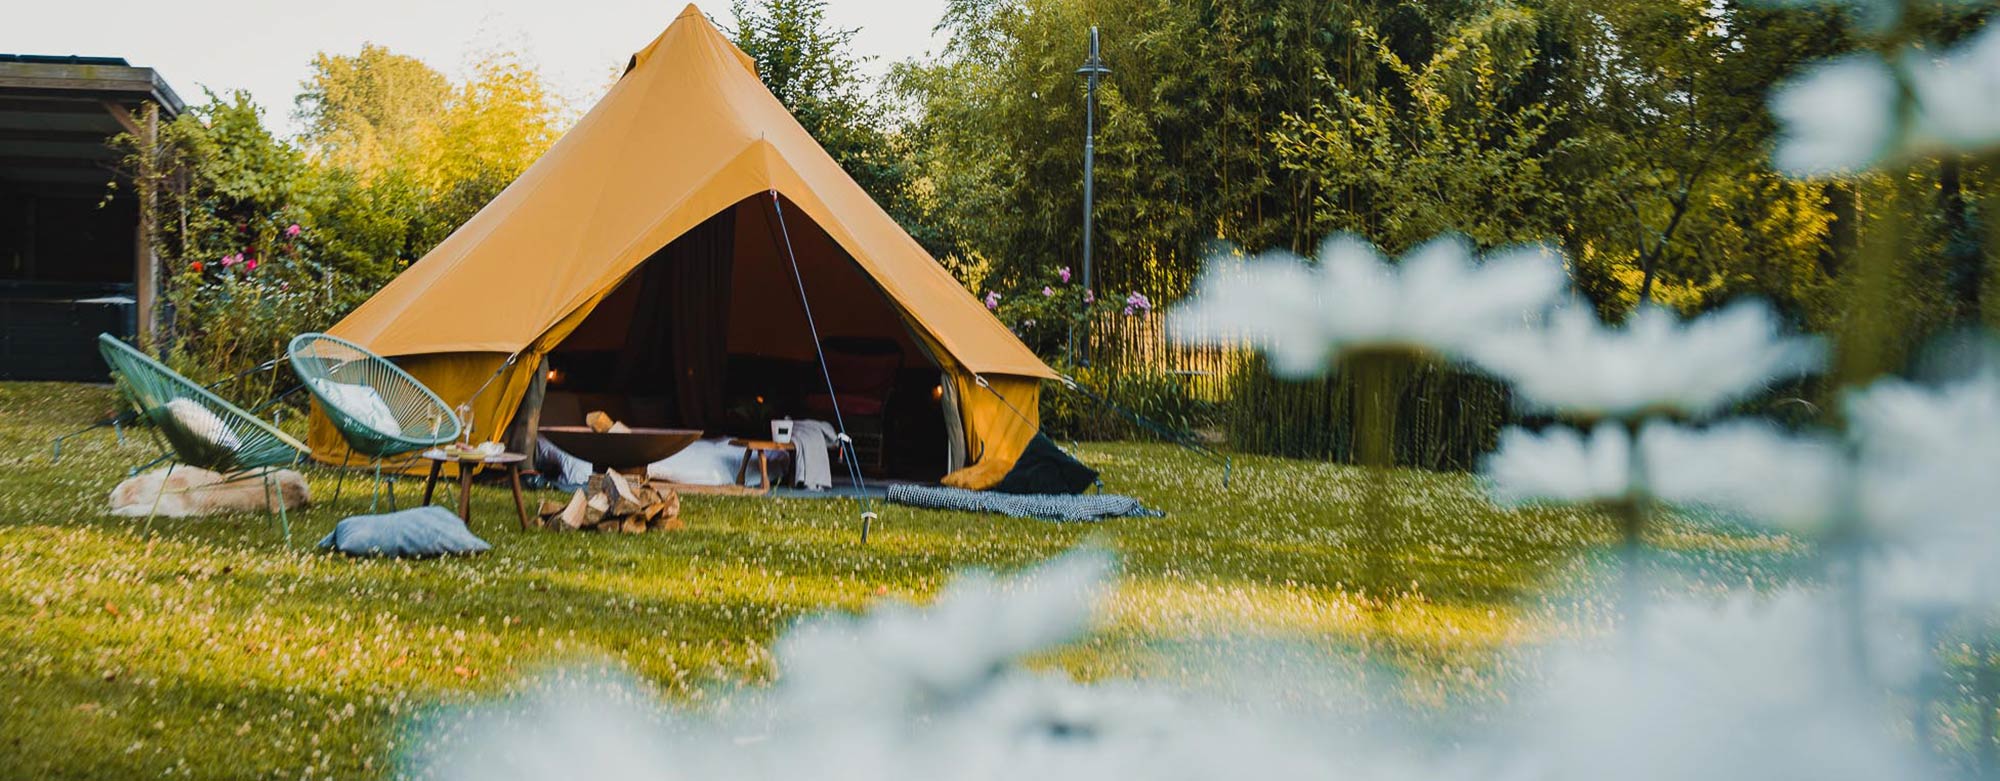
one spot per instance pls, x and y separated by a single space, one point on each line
493 127
265 238
1441 152
805 62
368 110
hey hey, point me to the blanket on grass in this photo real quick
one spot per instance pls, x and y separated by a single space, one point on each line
1052 507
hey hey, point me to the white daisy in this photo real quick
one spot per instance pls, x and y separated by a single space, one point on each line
1655 363
1747 468
1837 117
1957 95
1438 299
1560 465
1930 457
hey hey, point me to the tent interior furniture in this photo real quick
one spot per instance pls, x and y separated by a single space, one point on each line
729 349
676 260
379 409
863 372
202 429
72 263
760 450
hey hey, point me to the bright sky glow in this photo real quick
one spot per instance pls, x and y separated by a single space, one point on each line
265 47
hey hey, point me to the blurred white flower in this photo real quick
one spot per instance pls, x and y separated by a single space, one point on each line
1560 465
1846 114
1930 457
1933 576
1837 117
1747 468
1701 691
1438 299
1929 489
900 656
1957 95
1576 366
1749 682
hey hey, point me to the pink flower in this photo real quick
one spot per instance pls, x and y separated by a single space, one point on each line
293 230
1048 291
992 300
231 260
250 265
1089 296
1139 302
1128 311
1064 273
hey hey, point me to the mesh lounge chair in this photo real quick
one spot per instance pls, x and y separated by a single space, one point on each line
379 409
200 427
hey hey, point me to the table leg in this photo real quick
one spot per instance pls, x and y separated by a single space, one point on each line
430 483
764 469
520 507
465 494
744 470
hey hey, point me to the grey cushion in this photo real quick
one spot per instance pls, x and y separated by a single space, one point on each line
419 532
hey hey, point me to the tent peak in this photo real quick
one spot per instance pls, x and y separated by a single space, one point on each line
692 16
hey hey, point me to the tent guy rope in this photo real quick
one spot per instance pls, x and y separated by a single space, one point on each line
848 455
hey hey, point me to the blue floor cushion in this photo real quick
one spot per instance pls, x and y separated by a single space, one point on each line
416 533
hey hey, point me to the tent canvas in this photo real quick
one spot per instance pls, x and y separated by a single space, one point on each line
687 135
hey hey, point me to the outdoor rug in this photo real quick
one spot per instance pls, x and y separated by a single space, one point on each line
1051 507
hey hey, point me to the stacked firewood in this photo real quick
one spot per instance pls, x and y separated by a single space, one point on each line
615 503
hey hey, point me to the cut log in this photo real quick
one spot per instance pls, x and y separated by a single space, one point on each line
573 514
598 421
632 525
550 509
608 527
624 500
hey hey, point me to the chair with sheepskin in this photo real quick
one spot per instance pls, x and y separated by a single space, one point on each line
200 428
379 409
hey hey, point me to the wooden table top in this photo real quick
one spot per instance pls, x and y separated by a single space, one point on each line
762 444
475 458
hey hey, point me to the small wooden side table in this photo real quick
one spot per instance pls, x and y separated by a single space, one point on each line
509 461
761 449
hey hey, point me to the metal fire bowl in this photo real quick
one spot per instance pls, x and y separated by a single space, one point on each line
631 450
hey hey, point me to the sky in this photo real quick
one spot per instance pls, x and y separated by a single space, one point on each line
266 47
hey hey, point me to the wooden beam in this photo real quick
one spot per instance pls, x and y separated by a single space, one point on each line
54 136
124 117
51 163
49 106
91 77
147 278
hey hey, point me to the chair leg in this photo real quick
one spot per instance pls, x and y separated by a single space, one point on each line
275 493
375 488
148 527
337 482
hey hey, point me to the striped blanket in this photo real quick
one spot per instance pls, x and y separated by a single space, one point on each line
1052 507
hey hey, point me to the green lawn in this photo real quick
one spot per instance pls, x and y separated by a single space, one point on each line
208 647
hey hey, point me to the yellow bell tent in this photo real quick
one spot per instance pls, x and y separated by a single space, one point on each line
689 243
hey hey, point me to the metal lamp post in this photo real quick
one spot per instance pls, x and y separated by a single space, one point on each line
1092 70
